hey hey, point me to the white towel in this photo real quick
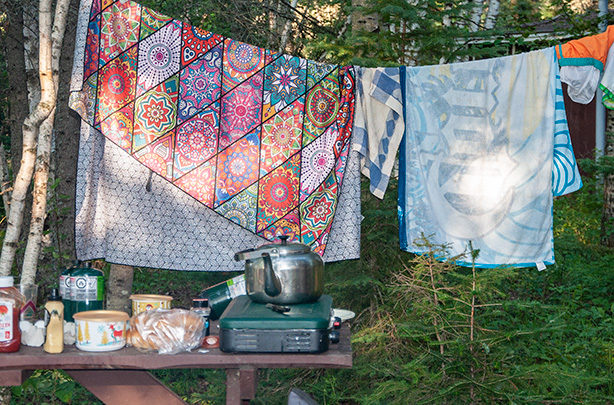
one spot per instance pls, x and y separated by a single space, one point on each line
478 160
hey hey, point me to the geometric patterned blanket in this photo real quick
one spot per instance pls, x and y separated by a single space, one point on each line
259 137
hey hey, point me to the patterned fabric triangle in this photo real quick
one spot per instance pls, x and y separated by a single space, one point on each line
259 137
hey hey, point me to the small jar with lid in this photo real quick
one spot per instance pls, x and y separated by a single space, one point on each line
11 302
201 307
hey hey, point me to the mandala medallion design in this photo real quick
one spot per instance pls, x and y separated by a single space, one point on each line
200 84
196 141
200 183
116 84
241 209
151 21
317 71
158 156
237 167
242 61
284 82
159 56
241 111
318 160
322 106
279 192
318 210
196 42
119 29
281 137
288 225
155 113
118 127
90 64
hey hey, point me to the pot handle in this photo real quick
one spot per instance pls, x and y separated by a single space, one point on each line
272 285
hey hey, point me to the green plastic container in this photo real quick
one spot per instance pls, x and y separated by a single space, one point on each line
221 294
86 289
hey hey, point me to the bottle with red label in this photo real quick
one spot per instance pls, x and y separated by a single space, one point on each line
11 301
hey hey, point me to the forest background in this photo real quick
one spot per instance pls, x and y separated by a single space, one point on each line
426 331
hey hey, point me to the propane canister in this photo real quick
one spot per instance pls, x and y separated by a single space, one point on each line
65 293
86 289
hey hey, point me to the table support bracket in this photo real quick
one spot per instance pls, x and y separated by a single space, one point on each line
135 387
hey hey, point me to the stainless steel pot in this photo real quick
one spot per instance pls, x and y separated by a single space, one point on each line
282 273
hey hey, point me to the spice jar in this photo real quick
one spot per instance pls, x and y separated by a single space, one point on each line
201 307
11 302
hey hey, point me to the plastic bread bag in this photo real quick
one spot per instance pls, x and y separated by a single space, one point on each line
168 331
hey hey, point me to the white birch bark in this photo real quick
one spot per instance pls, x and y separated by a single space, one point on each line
476 15
286 31
30 133
4 178
41 176
492 14
30 54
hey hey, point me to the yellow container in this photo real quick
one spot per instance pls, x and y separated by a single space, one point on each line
145 302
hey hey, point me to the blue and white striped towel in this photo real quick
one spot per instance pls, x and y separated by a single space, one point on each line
378 123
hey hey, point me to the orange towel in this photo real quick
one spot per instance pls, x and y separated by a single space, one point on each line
591 50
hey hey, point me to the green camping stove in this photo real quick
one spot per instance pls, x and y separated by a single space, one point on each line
248 326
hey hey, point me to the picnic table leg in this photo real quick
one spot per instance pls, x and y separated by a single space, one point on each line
134 387
240 385
9 378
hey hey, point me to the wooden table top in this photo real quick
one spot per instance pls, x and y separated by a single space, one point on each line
339 355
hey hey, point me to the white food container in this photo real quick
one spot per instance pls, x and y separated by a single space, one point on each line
101 331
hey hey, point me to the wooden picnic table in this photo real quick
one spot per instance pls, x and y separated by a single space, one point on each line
121 377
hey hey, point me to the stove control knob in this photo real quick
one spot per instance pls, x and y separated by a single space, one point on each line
334 336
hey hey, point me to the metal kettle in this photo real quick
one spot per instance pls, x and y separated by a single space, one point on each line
282 273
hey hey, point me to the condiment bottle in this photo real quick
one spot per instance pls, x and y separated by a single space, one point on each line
54 313
201 307
11 301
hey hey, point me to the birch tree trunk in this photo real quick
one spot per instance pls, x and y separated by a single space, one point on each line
286 32
476 15
492 14
30 132
41 176
31 52
5 182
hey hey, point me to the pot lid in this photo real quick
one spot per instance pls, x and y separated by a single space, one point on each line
101 316
284 248
275 249
150 297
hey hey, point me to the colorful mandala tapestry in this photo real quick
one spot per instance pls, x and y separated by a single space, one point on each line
259 138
